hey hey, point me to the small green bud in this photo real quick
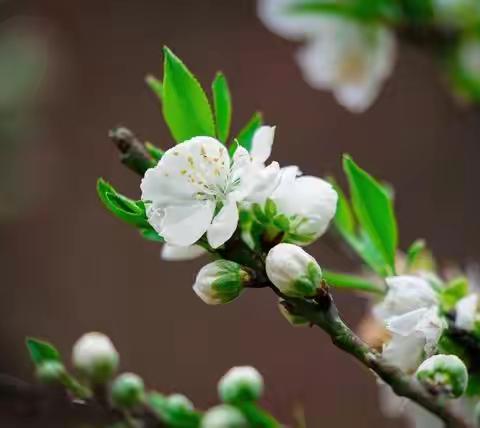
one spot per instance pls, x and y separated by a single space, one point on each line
220 282
295 272
95 356
178 403
128 390
224 416
445 374
295 320
50 371
240 384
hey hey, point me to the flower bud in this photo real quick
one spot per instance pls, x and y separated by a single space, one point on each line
220 282
224 416
179 404
295 272
95 356
128 390
444 374
50 371
240 384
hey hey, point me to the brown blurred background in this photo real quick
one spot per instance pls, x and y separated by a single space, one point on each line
68 267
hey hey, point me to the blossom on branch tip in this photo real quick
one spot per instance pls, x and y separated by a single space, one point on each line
405 293
293 271
194 189
308 201
128 390
414 336
220 282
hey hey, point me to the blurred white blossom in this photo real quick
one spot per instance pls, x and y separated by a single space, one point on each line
466 312
351 59
175 253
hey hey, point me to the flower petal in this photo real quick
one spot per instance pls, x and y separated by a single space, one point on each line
184 225
262 142
466 310
175 253
224 224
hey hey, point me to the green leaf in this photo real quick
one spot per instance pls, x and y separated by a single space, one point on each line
155 85
374 210
256 417
186 108
245 136
344 220
414 251
342 280
453 292
41 351
132 212
222 102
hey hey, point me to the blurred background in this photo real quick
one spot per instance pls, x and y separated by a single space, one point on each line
71 70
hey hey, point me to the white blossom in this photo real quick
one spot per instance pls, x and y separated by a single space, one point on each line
295 272
466 312
405 293
352 59
415 335
309 202
224 416
174 253
194 189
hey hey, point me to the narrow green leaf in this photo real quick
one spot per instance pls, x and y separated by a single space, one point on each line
155 85
41 351
342 280
374 210
344 220
222 102
132 212
245 136
186 108
414 251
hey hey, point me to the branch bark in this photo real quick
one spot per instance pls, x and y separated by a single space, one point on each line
323 313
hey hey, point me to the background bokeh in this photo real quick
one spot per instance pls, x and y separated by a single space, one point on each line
68 267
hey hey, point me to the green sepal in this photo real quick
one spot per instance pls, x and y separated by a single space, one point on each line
186 109
151 234
222 102
41 351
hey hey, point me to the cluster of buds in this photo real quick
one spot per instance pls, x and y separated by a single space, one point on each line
96 360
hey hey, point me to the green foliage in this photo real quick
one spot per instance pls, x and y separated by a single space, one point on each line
222 102
132 212
373 208
41 352
245 136
352 282
154 151
186 109
452 293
